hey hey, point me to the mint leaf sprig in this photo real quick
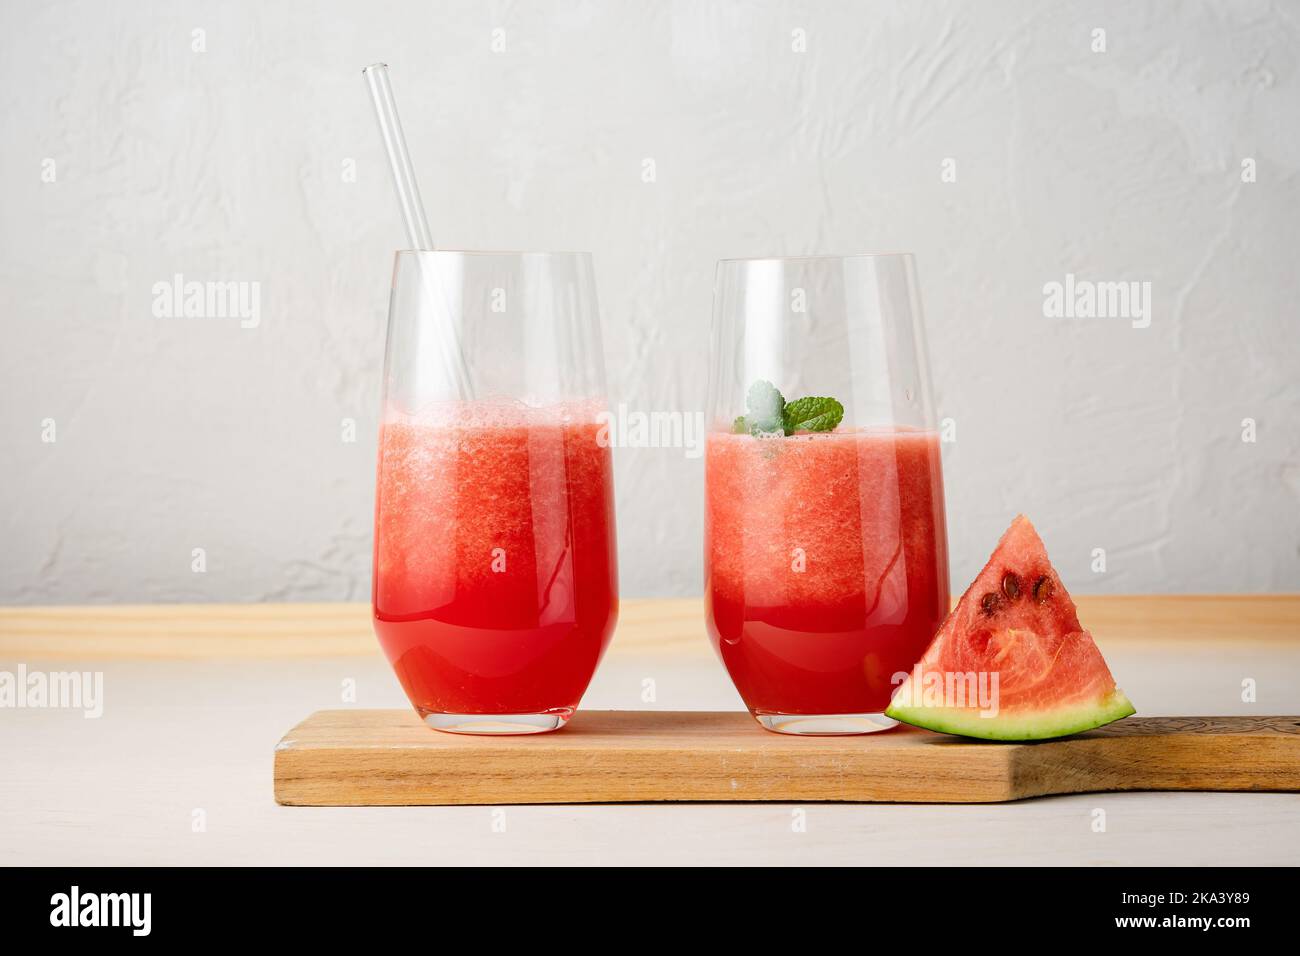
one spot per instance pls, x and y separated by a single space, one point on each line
768 413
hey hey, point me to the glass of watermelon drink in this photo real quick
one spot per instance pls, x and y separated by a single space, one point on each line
495 583
826 565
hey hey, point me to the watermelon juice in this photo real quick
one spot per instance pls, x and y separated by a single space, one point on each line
826 565
495 585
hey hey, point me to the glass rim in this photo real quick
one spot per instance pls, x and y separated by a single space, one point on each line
497 253
820 258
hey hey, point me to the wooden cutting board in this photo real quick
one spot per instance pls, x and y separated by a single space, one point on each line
390 758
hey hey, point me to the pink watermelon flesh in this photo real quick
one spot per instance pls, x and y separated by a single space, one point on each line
1016 621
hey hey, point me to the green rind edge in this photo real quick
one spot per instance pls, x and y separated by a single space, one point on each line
1040 725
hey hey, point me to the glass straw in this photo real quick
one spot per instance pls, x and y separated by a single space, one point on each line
417 224
399 158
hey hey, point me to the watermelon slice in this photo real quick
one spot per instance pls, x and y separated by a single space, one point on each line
1012 662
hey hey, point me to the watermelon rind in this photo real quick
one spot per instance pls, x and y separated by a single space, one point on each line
1038 725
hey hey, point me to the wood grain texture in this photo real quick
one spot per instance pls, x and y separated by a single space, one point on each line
649 625
389 758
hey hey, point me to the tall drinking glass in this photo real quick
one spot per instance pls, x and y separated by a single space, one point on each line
495 582
825 542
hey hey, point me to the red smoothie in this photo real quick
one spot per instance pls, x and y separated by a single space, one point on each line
495 586
826 564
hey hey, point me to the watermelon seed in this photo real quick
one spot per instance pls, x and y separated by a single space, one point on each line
1043 589
989 603
1011 586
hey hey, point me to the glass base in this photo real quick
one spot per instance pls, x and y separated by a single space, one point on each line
499 724
825 725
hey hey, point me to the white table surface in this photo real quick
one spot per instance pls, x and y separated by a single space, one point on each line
184 735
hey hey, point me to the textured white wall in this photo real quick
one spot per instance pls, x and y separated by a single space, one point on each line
227 164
